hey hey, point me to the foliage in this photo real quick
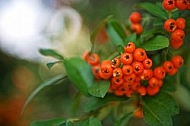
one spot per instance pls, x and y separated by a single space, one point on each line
159 108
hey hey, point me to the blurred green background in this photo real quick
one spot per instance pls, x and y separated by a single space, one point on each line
64 25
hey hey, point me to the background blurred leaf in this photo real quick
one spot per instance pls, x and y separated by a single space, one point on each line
124 120
99 26
89 122
50 122
40 87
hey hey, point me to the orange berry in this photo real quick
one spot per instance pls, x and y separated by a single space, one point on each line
138 113
127 69
130 47
180 22
137 28
159 72
117 72
139 54
141 90
115 62
177 61
152 90
153 82
130 78
168 66
117 81
146 74
137 67
170 25
135 17
147 63
173 72
126 58
93 59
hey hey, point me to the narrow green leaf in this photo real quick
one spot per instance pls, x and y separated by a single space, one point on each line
154 9
79 72
51 64
49 82
52 53
99 89
158 22
94 103
116 32
159 109
132 38
124 120
99 26
156 43
49 122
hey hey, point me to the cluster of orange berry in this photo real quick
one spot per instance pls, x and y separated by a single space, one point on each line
135 19
176 27
131 72
172 4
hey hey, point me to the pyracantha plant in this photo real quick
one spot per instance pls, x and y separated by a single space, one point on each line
140 70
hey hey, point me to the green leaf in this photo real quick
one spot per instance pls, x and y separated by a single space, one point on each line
124 120
52 53
89 122
132 38
99 26
94 103
156 43
158 22
169 84
49 82
116 32
51 64
158 110
50 122
154 9
79 72
99 89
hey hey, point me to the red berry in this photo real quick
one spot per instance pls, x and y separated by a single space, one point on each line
181 4
176 44
137 67
168 4
130 47
159 72
168 66
170 25
178 35
135 17
139 54
136 27
180 23
177 61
